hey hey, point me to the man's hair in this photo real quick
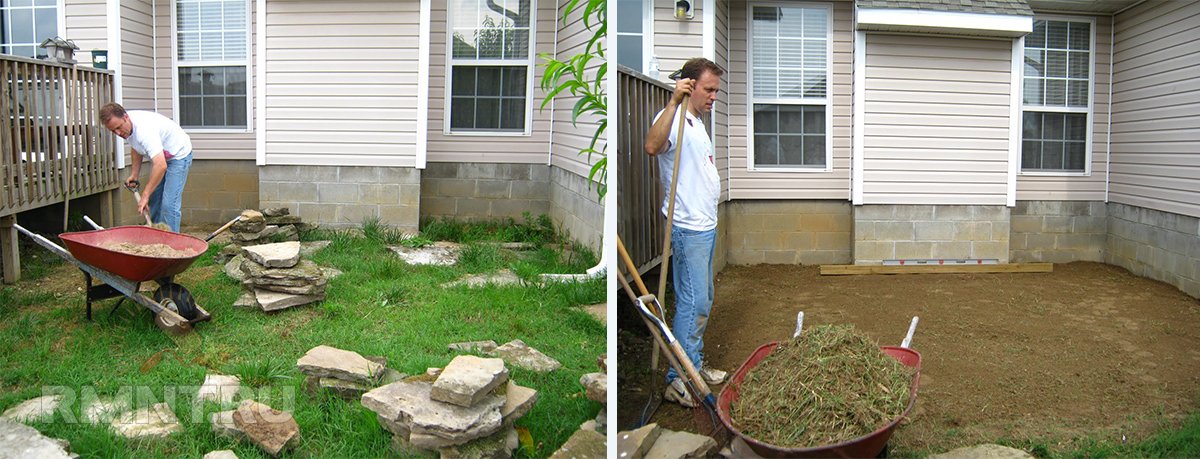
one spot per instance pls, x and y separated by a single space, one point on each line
696 66
111 110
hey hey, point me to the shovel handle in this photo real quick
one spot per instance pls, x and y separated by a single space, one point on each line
137 196
223 228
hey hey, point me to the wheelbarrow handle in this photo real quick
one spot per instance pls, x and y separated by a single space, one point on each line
223 228
912 328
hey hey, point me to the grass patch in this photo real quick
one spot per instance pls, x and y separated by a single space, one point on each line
379 306
534 230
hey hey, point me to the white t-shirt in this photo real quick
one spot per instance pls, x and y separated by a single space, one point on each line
154 133
699 186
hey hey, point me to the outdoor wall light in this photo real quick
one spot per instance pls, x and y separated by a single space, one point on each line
683 9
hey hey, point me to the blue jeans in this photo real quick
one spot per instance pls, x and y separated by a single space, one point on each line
167 200
692 281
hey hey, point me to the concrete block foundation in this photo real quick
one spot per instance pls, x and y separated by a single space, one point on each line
1058 231
344 196
1155 244
484 191
892 232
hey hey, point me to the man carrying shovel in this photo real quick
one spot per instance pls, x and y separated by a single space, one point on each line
170 153
693 214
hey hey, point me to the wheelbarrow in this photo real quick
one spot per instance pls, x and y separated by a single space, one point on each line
121 274
873 444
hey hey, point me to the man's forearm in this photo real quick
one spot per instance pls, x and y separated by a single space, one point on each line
158 170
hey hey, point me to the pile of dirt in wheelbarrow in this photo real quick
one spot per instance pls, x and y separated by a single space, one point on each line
830 385
157 250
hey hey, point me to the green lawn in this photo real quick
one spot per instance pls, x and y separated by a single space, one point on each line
379 306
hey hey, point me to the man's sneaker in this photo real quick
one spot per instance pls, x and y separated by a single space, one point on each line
677 393
712 376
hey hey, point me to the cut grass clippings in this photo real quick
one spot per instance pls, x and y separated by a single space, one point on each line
830 385
379 306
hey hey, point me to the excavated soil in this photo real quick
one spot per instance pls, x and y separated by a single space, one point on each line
1089 351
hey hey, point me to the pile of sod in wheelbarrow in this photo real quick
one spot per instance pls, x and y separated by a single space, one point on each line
830 385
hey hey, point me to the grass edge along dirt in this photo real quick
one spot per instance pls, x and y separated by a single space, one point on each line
379 306
830 385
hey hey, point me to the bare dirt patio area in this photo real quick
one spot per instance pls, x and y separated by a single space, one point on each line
1087 352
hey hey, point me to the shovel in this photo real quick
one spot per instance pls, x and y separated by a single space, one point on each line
137 196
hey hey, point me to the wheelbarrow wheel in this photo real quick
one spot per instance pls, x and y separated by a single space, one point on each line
181 301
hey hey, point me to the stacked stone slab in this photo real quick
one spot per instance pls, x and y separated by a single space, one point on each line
467 411
346 374
262 227
277 276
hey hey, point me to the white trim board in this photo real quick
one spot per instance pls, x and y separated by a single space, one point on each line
906 20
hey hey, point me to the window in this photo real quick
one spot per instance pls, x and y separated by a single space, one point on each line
490 65
25 24
632 30
211 46
789 71
1056 102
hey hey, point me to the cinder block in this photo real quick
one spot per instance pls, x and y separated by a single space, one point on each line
400 175
514 171
874 251
833 241
477 170
763 241
358 174
825 257
742 223
1040 241
355 214
913 213
824 223
312 174
404 217
410 194
240 182
988 249
800 242
337 193
779 257
246 201
1076 208
911 249
268 191
952 213
894 231
515 207
440 170
449 187
935 231
873 212
1022 208
864 231
374 193
991 212
474 207
1089 224
744 257
974 231
221 198
298 192
437 206
493 189
531 190
1018 242
1027 223
320 214
785 222
1056 224
955 249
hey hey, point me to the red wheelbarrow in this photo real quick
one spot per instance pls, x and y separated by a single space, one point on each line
873 444
122 274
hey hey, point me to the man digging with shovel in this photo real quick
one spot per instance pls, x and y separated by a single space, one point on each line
170 152
692 189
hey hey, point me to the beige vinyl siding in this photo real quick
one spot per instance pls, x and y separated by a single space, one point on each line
477 148
1081 188
137 55
676 41
936 120
87 25
721 110
569 138
835 184
341 83
1156 95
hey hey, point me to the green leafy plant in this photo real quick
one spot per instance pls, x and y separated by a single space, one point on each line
571 76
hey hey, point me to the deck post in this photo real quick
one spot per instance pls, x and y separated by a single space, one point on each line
8 249
106 208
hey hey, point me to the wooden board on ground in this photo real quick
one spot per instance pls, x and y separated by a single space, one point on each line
847 270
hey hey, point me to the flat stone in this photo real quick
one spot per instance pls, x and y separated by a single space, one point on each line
219 388
272 430
583 444
274 301
246 300
315 289
331 362
499 278
390 376
307 249
516 352
221 454
403 448
330 272
344 389
34 409
276 212
433 424
395 427
601 420
598 310
157 421
518 400
288 233
984 451
252 222
499 445
286 219
439 253
223 425
634 444
277 255
468 379
303 273
233 268
251 238
21 441
680 445
227 253
473 346
103 411
596 385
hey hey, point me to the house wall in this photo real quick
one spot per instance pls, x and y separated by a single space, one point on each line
343 196
1082 187
576 209
675 40
216 191
936 120
721 119
904 232
1058 231
483 191
483 148
805 232
761 184
86 23
342 83
137 56
1155 244
1156 108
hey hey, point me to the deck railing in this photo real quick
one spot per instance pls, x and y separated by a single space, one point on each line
639 196
52 146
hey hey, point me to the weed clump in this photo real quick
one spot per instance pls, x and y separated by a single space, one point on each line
830 385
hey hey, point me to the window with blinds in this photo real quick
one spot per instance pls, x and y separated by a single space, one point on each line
211 42
25 24
1056 97
789 71
490 65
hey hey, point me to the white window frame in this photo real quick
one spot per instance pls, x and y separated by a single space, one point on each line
176 114
827 102
1090 110
530 74
647 34
61 30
